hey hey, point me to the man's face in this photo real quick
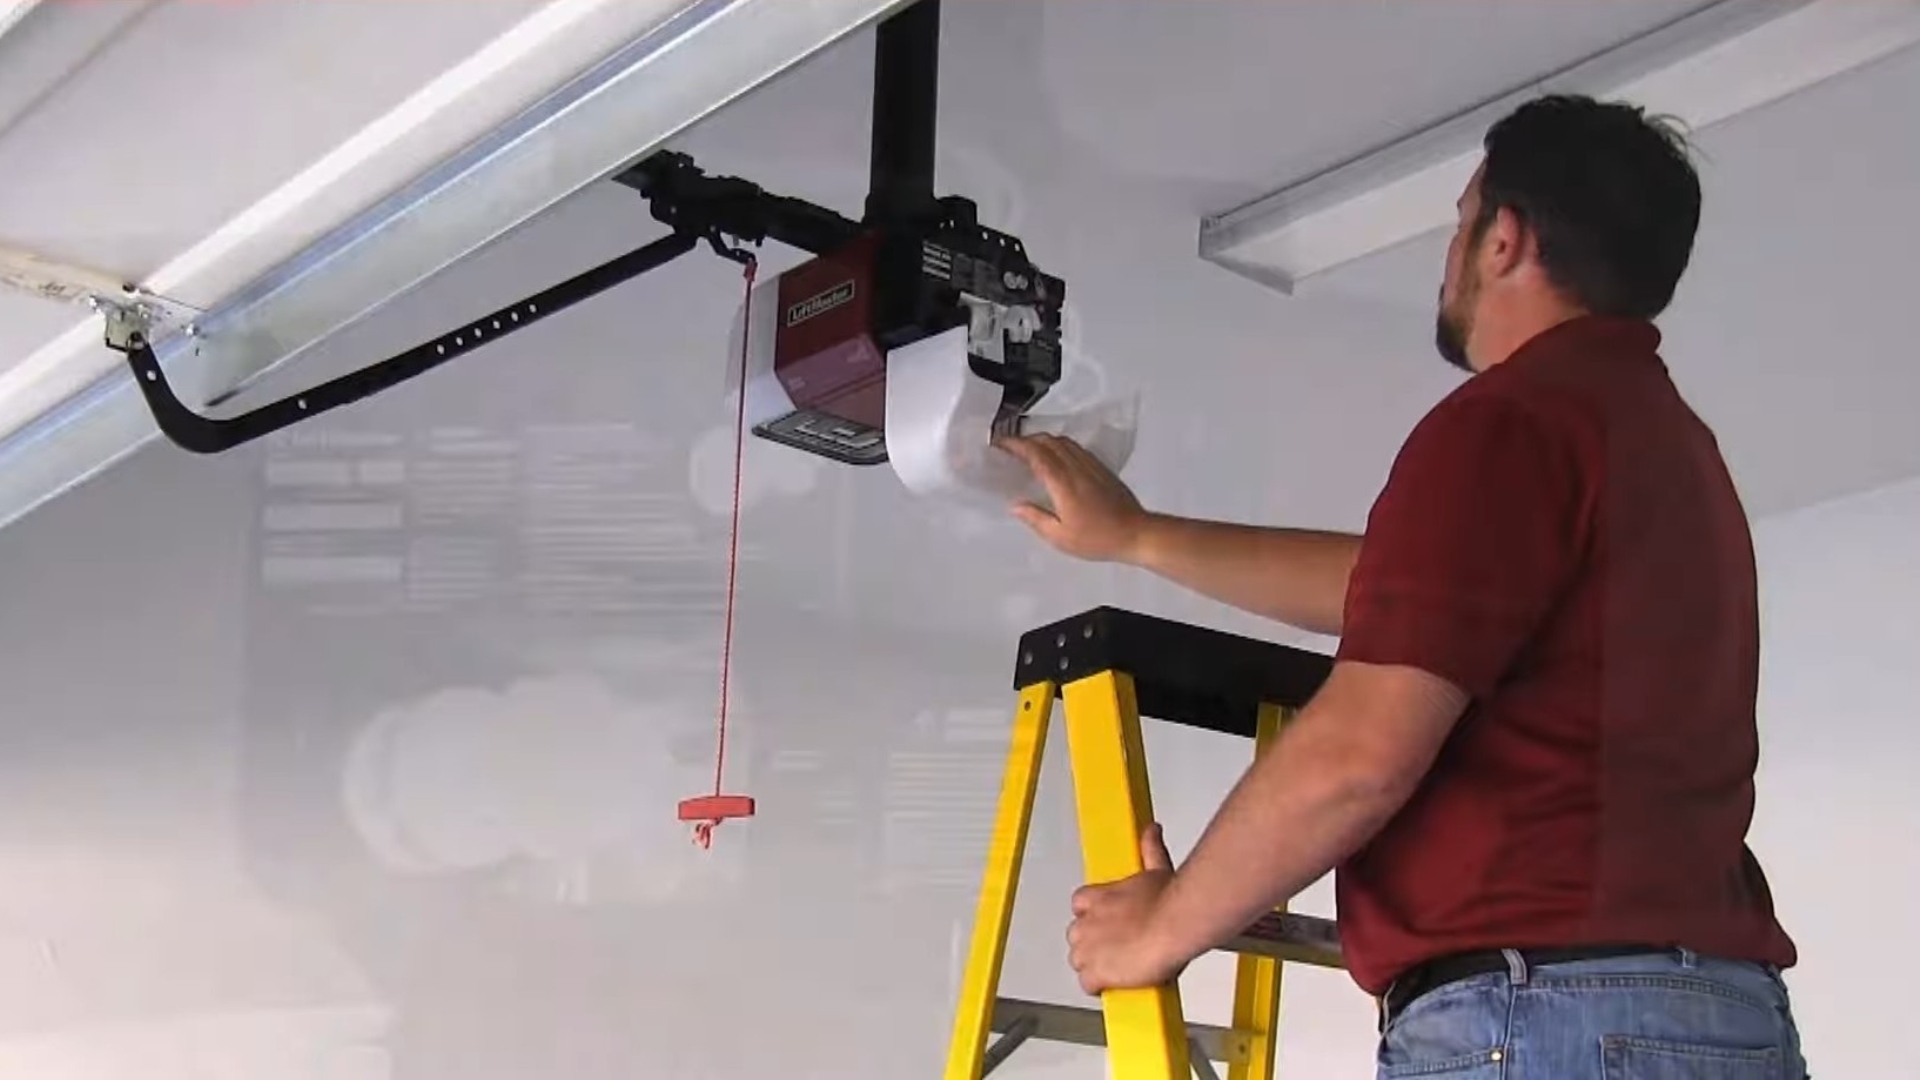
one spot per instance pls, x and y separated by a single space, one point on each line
1460 287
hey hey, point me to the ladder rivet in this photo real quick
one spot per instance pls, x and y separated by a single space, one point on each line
1061 641
1063 663
1026 658
1088 632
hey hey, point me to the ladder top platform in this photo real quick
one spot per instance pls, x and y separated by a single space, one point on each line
1182 674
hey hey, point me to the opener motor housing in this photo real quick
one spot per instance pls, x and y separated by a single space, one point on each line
842 312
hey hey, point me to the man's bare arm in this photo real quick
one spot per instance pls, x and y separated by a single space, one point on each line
1294 576
1335 776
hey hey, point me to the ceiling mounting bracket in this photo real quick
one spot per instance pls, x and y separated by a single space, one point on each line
129 308
127 324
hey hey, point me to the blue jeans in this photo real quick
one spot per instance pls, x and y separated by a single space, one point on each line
1660 1016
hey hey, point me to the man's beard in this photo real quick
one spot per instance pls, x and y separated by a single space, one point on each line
1450 331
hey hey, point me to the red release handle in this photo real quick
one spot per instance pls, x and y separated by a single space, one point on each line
716 807
706 811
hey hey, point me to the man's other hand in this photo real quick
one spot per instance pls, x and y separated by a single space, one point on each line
1095 516
1115 941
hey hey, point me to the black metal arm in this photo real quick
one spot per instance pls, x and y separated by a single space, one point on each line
207 435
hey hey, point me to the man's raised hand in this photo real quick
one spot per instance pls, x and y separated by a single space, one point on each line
1095 515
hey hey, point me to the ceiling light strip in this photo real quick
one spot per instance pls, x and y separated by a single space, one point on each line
1705 68
12 11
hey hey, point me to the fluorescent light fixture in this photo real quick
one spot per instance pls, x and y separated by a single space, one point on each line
1707 67
70 408
12 11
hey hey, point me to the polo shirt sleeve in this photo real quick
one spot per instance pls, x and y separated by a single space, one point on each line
1471 542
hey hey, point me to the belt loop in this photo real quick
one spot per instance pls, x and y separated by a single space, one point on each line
1516 966
1688 958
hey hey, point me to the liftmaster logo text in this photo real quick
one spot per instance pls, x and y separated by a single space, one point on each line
820 304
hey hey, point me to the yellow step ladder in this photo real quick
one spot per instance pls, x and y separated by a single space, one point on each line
1110 667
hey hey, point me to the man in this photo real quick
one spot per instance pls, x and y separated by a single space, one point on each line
1532 764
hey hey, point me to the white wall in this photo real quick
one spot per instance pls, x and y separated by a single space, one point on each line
1838 806
184 897
414 821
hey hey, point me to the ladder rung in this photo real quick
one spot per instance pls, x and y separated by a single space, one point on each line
1010 1040
1082 1026
1296 939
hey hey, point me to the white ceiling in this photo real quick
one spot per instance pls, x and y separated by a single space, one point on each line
212 137
1161 112
131 129
190 111
1223 102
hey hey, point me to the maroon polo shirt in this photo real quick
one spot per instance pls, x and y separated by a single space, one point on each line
1560 538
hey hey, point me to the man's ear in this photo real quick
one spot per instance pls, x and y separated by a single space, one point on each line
1507 246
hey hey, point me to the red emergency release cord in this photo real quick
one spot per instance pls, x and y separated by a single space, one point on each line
708 811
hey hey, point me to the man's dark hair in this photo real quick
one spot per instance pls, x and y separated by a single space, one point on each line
1608 192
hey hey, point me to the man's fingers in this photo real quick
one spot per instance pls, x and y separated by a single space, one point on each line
1066 452
1041 522
1083 899
1045 463
1037 453
1153 849
1048 457
1079 455
1017 445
